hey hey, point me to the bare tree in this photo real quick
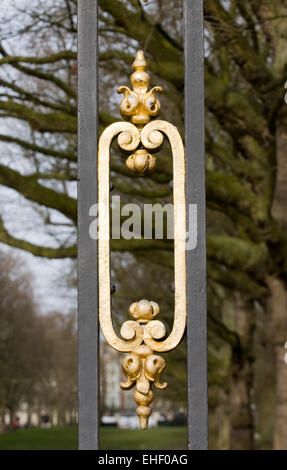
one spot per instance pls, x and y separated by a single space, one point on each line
38 353
57 389
21 337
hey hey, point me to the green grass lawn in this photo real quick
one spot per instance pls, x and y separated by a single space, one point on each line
156 438
40 439
111 438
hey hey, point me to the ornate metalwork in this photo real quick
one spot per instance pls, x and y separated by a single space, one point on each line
141 162
143 335
140 105
142 367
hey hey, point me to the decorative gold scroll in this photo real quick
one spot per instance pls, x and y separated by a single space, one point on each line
143 335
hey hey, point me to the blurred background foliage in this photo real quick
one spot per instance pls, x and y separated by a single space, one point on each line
246 180
37 352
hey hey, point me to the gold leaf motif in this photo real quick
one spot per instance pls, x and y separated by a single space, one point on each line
140 105
142 368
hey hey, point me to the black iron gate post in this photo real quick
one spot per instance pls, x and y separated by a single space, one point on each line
195 194
88 357
88 328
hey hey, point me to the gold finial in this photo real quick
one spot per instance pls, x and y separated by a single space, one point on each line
140 105
142 367
140 62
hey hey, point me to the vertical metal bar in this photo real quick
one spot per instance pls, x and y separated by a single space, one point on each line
196 259
88 334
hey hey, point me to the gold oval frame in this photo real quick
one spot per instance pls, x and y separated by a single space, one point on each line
142 367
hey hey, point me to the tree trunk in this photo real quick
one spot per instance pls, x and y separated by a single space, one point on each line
277 308
278 299
241 416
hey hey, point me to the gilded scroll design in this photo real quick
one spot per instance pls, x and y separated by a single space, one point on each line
143 368
143 335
